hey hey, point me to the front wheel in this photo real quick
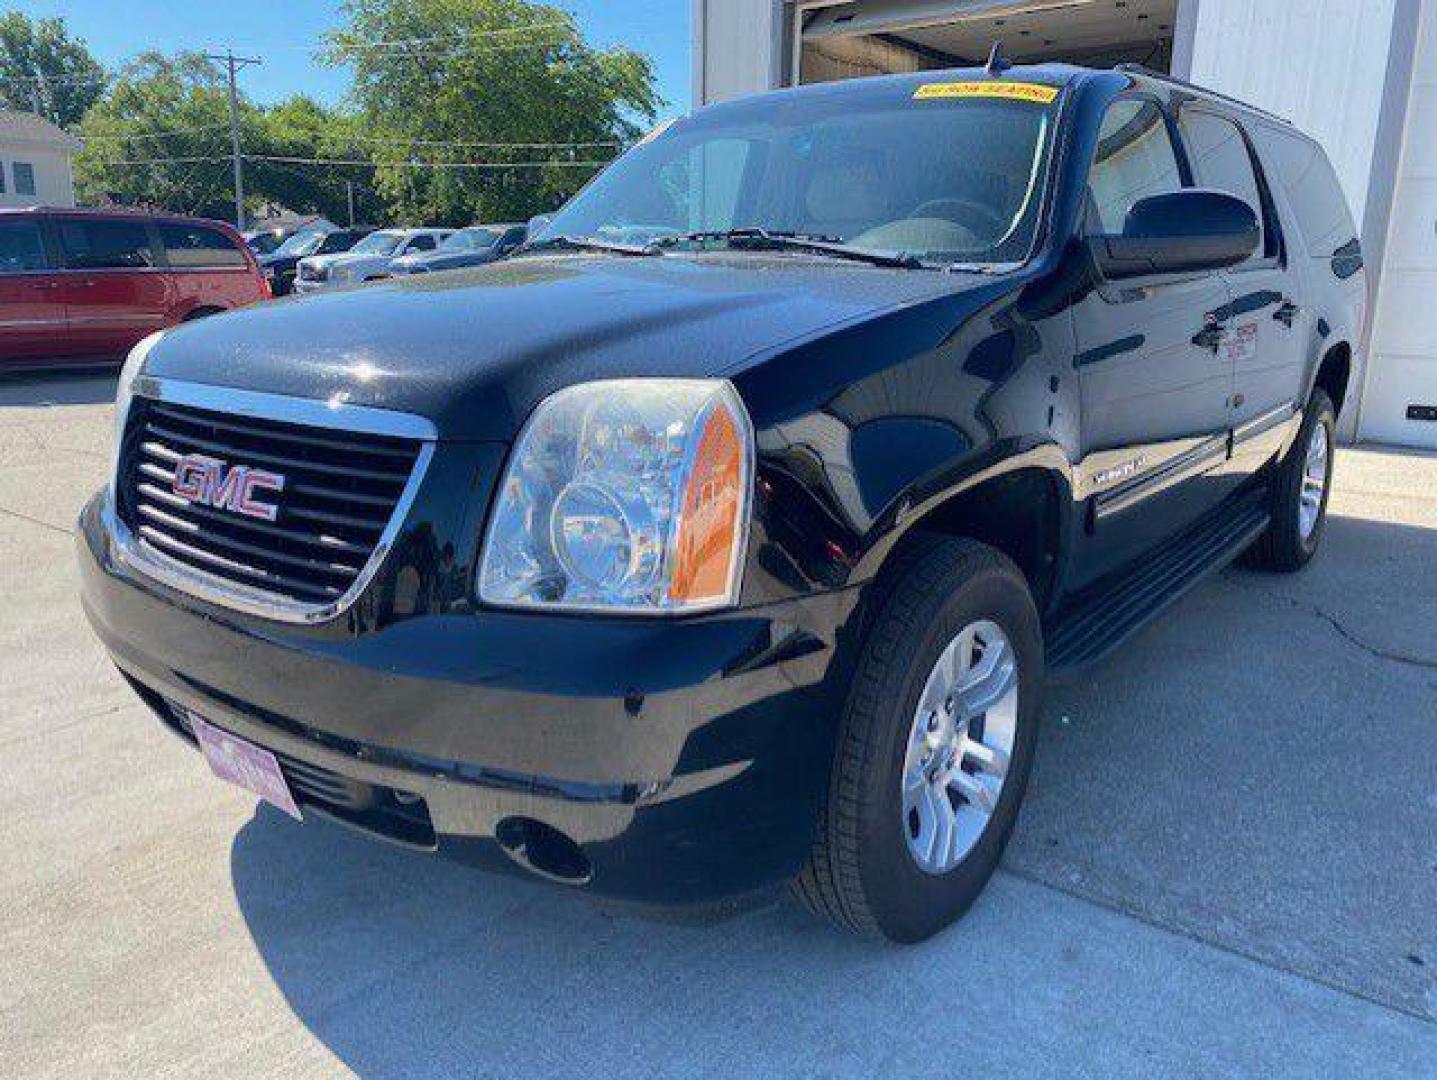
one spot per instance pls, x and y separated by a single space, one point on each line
935 745
1298 499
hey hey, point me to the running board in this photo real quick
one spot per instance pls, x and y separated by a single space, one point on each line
1094 623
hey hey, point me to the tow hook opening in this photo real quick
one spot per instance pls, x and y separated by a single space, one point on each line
544 850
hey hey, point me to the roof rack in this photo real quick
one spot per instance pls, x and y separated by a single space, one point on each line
1162 76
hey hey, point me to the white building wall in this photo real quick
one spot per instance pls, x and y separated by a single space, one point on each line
738 47
54 179
1403 370
1320 63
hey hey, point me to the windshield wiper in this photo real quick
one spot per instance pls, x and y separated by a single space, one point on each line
773 238
586 243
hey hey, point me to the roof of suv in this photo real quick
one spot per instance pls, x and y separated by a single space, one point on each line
1051 74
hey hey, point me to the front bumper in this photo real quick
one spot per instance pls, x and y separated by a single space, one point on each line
686 759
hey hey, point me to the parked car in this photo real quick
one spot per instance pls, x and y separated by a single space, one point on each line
267 240
368 260
474 246
281 265
83 286
679 569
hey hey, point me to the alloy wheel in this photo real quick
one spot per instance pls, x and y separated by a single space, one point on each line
960 746
1314 481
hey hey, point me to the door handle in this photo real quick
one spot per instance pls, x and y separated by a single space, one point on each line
1211 335
1286 313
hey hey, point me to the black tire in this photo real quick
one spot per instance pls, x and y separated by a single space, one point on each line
1283 547
861 874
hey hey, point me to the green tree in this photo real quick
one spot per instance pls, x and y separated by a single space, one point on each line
303 130
42 67
434 78
160 138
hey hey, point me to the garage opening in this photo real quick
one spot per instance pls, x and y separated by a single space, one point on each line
847 40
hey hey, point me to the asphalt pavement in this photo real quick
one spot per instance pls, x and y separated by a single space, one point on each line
1227 865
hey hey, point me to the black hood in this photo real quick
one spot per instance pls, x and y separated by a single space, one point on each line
475 350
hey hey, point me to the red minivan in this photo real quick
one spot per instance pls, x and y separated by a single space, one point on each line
82 286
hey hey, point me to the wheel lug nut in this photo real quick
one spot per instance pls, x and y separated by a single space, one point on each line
948 705
933 721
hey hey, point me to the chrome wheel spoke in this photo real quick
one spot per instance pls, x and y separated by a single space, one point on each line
989 759
978 790
989 681
939 817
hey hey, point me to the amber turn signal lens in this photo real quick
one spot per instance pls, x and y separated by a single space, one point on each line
708 528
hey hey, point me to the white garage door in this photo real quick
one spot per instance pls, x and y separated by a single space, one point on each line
1402 382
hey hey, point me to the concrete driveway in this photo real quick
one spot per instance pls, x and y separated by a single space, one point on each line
1228 865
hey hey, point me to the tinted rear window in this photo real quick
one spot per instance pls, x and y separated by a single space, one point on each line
1302 170
21 248
198 247
105 245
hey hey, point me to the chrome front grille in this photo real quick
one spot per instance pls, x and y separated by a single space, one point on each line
342 494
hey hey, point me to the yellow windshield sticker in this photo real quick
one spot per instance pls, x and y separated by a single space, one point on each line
996 88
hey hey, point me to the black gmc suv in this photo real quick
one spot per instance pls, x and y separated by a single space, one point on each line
724 536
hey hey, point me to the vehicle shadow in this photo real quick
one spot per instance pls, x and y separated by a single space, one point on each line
89 386
403 965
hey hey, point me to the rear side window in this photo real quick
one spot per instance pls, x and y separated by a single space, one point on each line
1135 159
193 247
421 243
1302 170
1221 161
105 245
21 248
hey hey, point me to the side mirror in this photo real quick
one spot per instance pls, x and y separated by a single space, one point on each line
1178 232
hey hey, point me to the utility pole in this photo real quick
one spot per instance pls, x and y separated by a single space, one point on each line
233 63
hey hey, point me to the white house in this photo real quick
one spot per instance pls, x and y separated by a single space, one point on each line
1360 75
35 161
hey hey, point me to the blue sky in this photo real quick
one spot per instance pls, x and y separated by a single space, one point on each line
282 31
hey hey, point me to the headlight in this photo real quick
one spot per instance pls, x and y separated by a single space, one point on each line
629 495
124 391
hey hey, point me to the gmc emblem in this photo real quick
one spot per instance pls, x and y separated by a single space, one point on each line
212 482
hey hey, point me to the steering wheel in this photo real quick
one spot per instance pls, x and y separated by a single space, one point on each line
974 216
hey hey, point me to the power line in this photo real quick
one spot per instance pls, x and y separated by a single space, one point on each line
557 163
161 161
155 134
104 76
392 141
462 34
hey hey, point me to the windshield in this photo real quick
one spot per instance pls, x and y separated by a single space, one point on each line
301 244
470 240
377 243
946 178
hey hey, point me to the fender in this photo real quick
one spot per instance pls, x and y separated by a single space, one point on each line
921 502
